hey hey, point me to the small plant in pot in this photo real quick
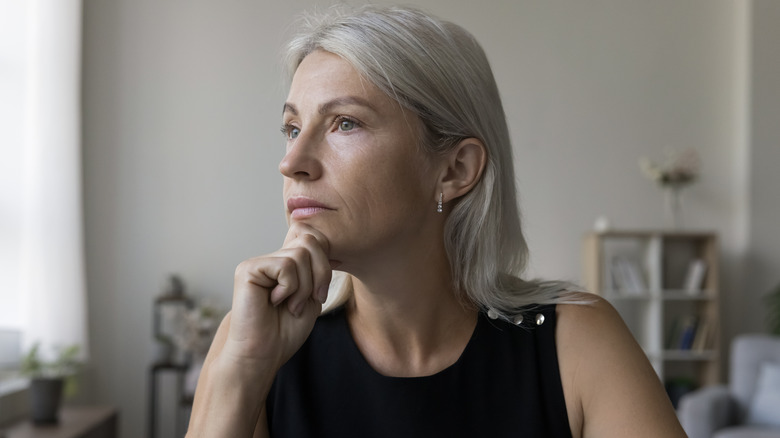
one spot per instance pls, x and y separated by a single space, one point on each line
49 380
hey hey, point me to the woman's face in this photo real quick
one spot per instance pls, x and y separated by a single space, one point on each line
353 170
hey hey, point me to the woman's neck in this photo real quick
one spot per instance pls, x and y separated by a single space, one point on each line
406 319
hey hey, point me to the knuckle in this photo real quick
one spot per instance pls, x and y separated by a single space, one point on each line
287 263
300 253
317 242
242 269
309 239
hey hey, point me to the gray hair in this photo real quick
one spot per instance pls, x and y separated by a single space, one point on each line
438 71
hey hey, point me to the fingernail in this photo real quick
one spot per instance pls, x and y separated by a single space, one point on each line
298 309
322 294
276 293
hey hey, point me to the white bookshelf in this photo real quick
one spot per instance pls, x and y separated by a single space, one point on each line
643 274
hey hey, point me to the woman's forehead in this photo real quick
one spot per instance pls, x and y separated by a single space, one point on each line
325 79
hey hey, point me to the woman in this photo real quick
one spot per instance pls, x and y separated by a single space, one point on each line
398 172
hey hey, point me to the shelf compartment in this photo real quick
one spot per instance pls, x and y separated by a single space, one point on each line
668 297
672 355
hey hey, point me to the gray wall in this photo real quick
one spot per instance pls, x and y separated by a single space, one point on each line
763 259
182 106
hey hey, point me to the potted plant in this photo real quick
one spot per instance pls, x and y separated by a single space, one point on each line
48 381
773 310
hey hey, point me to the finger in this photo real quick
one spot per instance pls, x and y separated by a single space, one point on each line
292 274
277 273
297 298
298 229
321 271
287 273
253 279
318 246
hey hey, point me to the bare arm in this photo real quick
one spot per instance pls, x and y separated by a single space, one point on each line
276 299
229 399
611 389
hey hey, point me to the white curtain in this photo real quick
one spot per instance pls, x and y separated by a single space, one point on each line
52 239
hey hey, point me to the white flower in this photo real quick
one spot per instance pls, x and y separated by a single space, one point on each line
197 328
679 169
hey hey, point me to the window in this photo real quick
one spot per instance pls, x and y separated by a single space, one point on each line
13 36
40 197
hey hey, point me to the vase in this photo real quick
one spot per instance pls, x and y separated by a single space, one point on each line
45 399
673 213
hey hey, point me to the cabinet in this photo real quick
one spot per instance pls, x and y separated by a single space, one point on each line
665 286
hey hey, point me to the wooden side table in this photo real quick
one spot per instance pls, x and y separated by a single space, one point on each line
75 422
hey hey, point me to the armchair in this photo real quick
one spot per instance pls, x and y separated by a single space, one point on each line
749 407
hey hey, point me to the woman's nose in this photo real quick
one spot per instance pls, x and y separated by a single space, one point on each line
301 160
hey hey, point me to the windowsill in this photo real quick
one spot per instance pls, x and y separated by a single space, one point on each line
13 384
13 399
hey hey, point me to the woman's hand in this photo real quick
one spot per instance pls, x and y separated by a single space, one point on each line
276 299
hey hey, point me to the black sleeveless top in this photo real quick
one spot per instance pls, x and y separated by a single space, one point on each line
505 384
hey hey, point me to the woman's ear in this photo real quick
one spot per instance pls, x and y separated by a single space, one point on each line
463 168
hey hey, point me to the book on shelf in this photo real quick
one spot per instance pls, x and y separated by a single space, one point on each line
689 333
673 334
627 276
703 333
694 278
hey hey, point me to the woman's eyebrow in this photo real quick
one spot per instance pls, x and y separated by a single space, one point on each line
344 101
289 108
329 105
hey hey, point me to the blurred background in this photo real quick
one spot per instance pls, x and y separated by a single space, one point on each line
173 109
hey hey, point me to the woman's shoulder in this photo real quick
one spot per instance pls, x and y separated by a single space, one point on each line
591 336
584 312
609 385
593 330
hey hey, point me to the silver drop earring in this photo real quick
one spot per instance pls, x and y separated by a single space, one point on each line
439 204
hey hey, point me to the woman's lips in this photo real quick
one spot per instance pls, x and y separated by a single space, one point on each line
301 207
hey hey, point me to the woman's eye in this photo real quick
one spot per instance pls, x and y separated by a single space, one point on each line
346 124
293 132
290 132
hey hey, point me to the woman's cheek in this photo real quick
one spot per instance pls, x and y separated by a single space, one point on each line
358 142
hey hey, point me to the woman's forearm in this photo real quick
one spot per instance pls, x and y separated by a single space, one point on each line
228 400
